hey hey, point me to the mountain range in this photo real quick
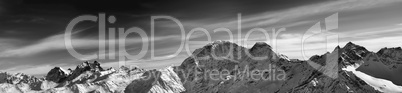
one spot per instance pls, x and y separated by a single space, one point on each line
225 67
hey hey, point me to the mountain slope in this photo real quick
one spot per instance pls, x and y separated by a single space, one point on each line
297 76
226 67
90 77
386 64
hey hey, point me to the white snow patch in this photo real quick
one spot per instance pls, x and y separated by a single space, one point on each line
379 84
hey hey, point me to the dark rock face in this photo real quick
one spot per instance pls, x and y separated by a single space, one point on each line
260 47
57 74
352 54
393 53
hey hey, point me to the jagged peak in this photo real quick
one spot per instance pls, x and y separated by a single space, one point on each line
261 45
350 43
14 74
126 69
222 48
85 66
23 75
220 43
352 46
337 47
94 65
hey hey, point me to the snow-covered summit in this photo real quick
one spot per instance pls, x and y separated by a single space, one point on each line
91 77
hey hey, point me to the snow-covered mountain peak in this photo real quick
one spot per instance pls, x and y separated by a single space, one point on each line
193 75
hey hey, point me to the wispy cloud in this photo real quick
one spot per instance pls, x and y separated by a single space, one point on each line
290 44
272 17
57 42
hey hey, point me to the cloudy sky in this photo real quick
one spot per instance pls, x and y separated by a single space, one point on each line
32 33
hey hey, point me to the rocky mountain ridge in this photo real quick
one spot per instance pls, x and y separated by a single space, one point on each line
223 67
299 76
90 77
